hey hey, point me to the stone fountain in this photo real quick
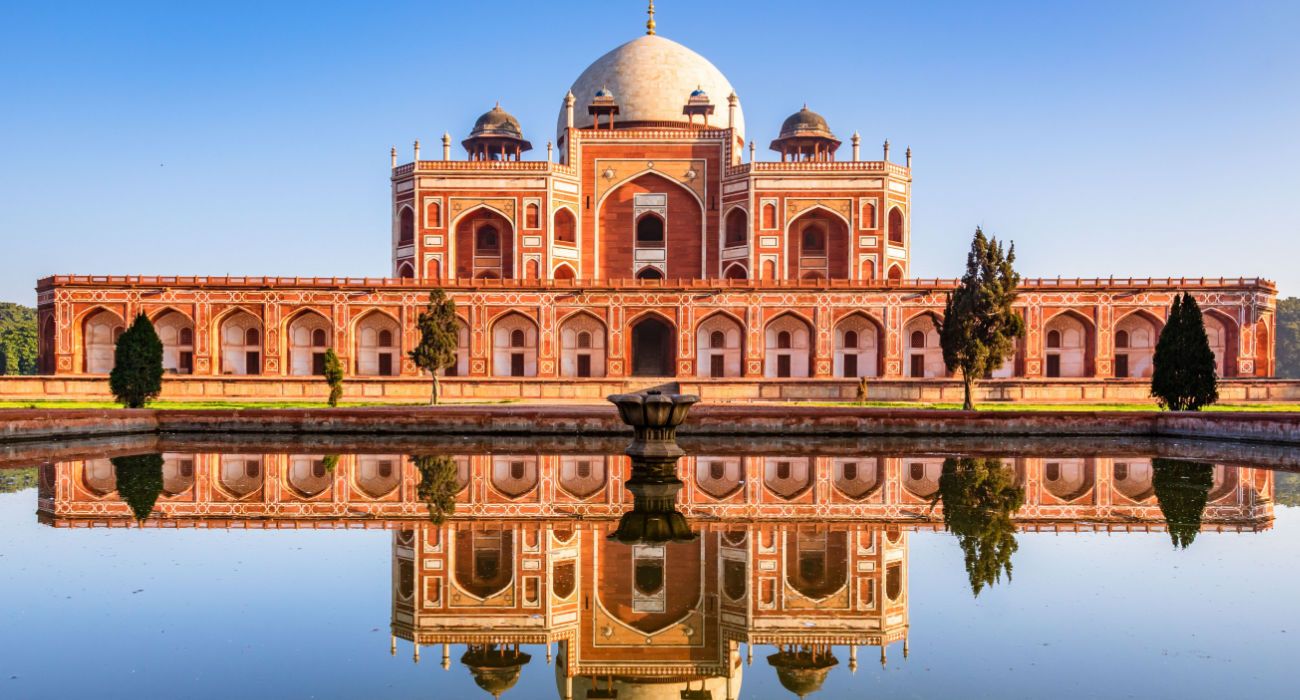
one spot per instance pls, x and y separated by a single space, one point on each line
654 415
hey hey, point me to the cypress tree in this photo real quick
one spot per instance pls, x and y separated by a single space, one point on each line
137 373
1182 488
1183 376
334 376
439 337
438 485
139 481
979 328
979 497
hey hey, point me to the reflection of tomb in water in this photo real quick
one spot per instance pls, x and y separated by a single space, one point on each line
653 620
381 490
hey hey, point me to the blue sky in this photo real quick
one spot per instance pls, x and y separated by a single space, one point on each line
1148 138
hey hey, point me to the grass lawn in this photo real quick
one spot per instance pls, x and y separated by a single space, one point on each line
1013 406
226 405
989 406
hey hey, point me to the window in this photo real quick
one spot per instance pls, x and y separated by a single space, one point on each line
783 470
1121 471
1054 339
918 339
649 273
487 241
814 240
517 338
783 340
516 470
650 230
916 471
850 471
406 227
187 336
584 339
717 470
736 228
896 226
566 228
717 340
385 338
851 339
1121 339
252 336
318 338
1052 471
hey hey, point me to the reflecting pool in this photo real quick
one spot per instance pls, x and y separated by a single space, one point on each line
196 566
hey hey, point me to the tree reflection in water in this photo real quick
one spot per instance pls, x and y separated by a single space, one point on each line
1181 489
438 485
139 482
979 497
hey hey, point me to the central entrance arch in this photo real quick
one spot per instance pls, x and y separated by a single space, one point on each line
652 348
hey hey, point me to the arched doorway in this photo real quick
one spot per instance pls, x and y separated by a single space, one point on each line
652 348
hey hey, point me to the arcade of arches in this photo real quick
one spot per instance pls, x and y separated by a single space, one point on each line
540 333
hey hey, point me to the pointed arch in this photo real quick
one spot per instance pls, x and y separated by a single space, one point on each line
484 562
482 241
859 340
652 344
818 244
564 272
99 327
175 329
788 477
308 334
1134 343
1225 340
923 354
1068 479
719 477
735 227
240 339
307 476
377 339
1069 345
405 225
816 563
582 476
623 208
789 345
736 271
514 345
565 226
514 475
377 476
897 227
584 339
895 273
857 477
720 345
406 270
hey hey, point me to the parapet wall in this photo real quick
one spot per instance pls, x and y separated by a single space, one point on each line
705 420
586 390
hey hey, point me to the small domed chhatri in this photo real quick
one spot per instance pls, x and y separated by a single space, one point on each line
496 136
805 135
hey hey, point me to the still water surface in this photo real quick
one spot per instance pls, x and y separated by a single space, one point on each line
272 570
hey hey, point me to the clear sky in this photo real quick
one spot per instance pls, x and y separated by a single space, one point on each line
1105 138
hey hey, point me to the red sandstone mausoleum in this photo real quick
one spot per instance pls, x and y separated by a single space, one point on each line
648 241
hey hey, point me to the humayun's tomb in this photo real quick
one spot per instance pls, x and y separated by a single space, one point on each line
649 241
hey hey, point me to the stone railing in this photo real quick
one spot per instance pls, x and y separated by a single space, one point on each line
917 284
493 166
850 166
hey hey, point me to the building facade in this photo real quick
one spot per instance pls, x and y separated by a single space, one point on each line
649 242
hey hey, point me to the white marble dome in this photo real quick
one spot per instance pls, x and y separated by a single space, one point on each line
651 78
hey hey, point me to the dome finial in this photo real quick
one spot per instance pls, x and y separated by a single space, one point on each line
650 23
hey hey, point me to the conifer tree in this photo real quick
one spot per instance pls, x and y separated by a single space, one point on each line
979 328
139 481
979 497
334 376
438 485
1181 489
1183 373
439 337
137 373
